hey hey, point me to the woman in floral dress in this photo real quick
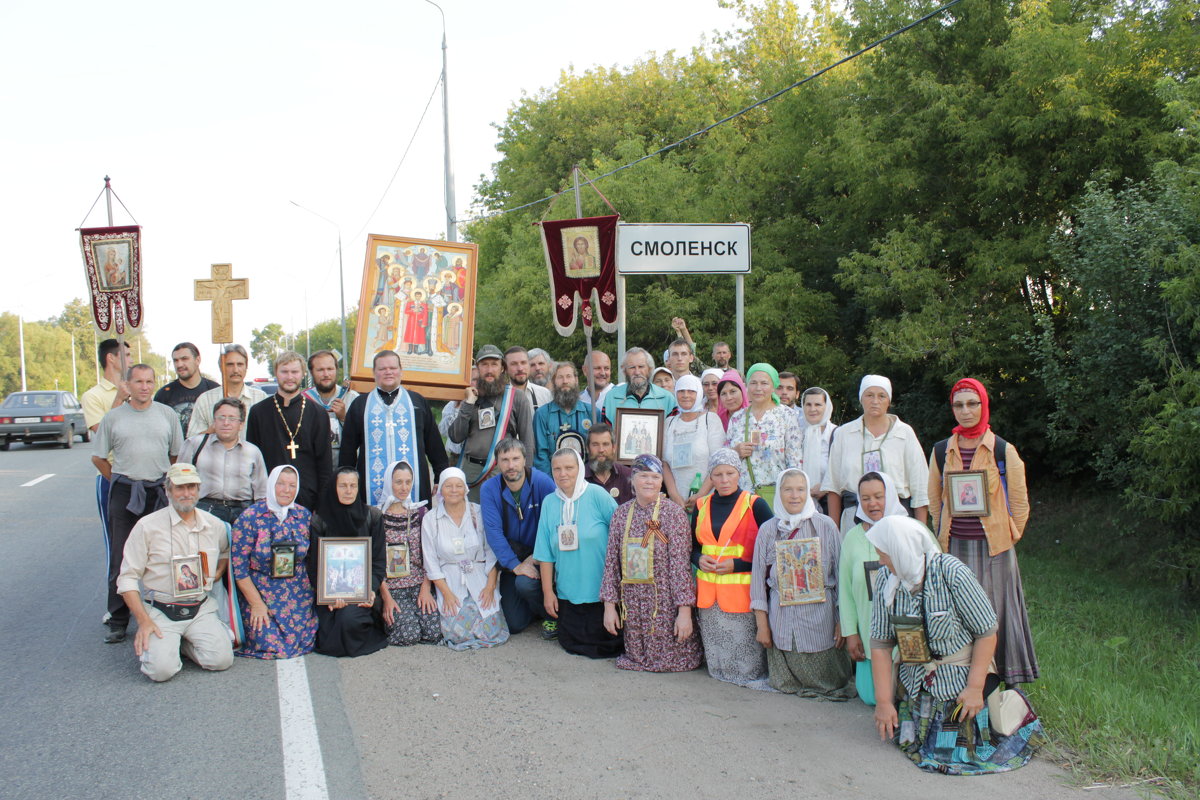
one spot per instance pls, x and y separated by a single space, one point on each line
766 435
648 588
270 545
409 610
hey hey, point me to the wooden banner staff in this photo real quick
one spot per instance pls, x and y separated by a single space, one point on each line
120 307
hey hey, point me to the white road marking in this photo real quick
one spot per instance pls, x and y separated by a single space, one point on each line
303 768
36 481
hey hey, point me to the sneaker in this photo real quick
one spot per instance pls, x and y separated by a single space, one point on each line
549 630
116 633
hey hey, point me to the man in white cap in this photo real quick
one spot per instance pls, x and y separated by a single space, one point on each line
490 411
175 554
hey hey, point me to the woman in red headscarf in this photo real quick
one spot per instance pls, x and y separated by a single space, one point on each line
979 507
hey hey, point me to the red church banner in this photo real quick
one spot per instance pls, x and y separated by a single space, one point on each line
112 258
581 255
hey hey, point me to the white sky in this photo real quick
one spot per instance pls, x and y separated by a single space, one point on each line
211 117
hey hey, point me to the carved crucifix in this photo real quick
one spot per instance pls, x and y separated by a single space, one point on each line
222 289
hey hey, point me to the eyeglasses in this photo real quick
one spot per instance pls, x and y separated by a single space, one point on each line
969 405
227 419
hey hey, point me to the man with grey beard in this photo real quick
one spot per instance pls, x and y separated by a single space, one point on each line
540 367
171 559
637 391
490 411
565 421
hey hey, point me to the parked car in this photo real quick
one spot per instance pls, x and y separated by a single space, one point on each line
42 416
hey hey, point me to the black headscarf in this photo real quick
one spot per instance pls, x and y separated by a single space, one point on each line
341 519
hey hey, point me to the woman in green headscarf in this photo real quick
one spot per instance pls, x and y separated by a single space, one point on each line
766 435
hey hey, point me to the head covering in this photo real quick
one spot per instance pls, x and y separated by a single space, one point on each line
182 473
647 463
389 498
726 457
828 415
488 351
891 506
730 376
874 380
981 427
581 484
342 519
690 383
449 473
907 543
661 369
711 371
279 511
770 372
787 520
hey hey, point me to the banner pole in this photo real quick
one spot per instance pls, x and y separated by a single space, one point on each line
587 329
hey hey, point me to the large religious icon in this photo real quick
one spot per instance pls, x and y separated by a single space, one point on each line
418 297
112 259
798 572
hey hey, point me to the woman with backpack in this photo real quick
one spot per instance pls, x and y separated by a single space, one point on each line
979 507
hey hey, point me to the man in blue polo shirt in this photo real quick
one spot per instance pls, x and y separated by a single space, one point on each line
637 391
511 505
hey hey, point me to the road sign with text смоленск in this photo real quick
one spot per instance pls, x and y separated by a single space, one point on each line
683 249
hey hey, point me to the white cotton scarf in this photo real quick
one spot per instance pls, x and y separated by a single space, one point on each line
892 506
877 381
279 511
388 498
789 521
690 383
907 543
568 509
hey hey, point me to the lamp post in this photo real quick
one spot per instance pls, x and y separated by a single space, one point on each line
341 288
451 233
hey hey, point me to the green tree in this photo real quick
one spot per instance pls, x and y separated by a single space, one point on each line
266 343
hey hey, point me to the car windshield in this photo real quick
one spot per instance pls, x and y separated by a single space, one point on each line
31 400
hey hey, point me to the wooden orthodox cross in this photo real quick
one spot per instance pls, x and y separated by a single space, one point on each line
222 289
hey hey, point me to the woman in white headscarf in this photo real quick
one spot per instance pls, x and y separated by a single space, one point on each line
409 609
461 565
267 558
572 541
690 437
794 595
931 604
875 442
817 406
876 499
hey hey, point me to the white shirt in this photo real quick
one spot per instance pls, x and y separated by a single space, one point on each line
902 459
687 446
202 412
448 548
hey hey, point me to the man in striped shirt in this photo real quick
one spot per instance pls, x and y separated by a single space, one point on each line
233 473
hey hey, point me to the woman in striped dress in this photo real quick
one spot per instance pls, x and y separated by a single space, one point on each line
794 595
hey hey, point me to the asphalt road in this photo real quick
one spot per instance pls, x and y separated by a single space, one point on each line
522 720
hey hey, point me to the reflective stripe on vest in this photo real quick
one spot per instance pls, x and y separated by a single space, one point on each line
721 553
732 577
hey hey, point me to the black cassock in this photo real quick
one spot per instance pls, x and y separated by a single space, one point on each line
314 456
351 631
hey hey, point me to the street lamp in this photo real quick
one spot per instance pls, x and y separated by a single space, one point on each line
451 233
341 288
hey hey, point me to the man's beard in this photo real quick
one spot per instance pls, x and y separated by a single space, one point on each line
184 506
639 386
543 380
566 397
518 382
489 387
325 388
601 465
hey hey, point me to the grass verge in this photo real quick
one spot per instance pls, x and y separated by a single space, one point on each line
1118 647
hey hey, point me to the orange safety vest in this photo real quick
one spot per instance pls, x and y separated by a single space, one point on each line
731 592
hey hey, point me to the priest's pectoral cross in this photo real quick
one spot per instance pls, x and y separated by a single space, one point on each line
292 448
222 289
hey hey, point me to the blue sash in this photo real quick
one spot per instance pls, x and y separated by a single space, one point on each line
506 409
390 434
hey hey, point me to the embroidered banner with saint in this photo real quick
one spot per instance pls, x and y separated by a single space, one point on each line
112 259
581 255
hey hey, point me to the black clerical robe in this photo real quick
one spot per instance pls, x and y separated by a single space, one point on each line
314 455
431 450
